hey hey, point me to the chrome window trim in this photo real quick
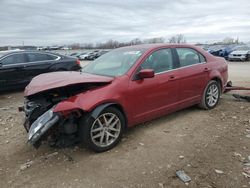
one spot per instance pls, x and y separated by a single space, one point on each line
180 68
3 57
198 53
58 57
32 62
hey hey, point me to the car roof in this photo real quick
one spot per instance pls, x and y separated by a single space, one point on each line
158 45
7 52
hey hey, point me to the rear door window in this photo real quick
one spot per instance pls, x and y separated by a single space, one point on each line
33 57
13 59
188 56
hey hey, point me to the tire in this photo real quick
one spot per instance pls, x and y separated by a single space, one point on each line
100 136
248 57
61 69
211 95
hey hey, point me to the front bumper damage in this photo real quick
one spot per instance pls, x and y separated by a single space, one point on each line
41 126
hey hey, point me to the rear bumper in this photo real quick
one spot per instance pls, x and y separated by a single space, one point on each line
76 68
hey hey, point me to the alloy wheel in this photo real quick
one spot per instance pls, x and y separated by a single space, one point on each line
212 95
105 130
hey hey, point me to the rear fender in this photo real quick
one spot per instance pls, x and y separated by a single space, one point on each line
216 75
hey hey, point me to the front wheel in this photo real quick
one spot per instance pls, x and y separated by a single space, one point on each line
211 95
104 132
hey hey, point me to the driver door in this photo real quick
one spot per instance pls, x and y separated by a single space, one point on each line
153 97
12 73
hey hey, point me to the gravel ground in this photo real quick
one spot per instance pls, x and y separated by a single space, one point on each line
210 146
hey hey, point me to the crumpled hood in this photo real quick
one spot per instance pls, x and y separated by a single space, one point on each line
53 80
240 52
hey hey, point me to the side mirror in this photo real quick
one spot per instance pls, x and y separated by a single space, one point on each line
146 73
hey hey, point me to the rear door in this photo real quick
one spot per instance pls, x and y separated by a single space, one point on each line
12 73
39 63
193 75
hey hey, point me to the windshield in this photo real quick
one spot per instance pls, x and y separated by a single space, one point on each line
114 63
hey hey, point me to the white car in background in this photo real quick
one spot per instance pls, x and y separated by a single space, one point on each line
240 53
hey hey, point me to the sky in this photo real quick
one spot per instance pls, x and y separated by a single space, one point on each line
58 22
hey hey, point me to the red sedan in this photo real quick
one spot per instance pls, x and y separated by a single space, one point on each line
122 88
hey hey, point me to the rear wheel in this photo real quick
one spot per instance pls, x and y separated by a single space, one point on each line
211 95
104 132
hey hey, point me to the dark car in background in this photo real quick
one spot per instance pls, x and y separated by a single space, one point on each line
17 68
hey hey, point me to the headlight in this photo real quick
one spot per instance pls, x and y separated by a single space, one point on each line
41 125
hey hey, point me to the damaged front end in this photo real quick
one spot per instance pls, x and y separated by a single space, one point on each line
42 123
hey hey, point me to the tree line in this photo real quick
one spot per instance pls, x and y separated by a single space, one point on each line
110 44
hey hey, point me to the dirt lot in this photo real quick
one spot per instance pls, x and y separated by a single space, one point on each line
197 141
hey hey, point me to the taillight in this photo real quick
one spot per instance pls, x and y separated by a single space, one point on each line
78 62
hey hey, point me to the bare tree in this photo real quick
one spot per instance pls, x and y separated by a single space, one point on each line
177 39
135 41
228 40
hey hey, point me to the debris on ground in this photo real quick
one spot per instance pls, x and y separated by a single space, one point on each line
244 97
183 176
26 165
238 156
50 155
246 164
219 171
161 185
246 170
246 175
67 157
248 135
141 144
181 157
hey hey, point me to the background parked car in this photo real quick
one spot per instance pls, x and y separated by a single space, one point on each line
100 53
17 68
240 53
78 55
216 50
85 55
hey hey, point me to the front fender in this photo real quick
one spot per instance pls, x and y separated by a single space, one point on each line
87 102
95 113
65 106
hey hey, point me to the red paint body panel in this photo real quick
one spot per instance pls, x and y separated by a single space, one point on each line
53 80
144 99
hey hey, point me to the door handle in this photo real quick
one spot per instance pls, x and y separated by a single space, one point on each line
206 69
172 77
